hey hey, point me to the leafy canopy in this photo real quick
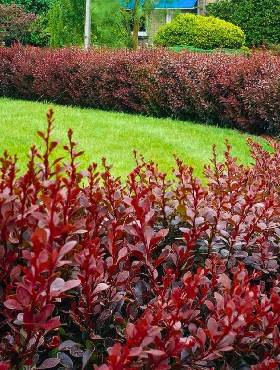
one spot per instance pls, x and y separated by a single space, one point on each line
110 23
66 22
31 6
15 24
260 19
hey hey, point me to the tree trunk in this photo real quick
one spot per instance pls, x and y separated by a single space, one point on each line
136 24
201 7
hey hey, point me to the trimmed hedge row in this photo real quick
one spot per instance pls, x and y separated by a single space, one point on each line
239 91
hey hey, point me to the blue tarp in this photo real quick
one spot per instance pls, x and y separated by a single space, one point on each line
167 4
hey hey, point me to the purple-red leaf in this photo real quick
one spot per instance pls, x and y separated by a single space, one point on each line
49 363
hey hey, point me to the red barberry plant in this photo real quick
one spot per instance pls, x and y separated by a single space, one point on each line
154 272
234 90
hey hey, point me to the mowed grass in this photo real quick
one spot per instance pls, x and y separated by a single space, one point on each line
116 135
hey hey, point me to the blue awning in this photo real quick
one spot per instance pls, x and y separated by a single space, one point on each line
166 4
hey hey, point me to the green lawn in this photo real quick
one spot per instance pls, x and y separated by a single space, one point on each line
115 135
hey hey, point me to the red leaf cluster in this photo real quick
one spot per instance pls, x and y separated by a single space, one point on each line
15 23
154 272
238 91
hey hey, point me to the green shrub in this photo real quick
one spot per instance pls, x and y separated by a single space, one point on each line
39 35
260 19
200 32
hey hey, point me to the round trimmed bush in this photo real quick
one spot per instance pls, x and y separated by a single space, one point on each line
201 32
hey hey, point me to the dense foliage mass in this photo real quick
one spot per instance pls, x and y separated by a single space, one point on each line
228 90
109 22
18 24
260 19
61 22
155 273
66 23
37 33
15 24
31 6
201 32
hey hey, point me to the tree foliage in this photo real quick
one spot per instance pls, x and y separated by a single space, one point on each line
110 23
38 34
31 6
66 22
260 19
15 24
140 9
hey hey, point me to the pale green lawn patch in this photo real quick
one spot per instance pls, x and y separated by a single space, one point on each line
116 135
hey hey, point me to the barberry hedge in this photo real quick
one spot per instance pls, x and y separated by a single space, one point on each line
158 272
239 91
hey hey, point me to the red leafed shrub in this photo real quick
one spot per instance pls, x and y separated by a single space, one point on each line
156 272
15 23
239 91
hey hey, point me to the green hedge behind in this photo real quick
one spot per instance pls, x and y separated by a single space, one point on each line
260 19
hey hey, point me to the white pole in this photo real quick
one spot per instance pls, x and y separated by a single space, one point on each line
87 25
